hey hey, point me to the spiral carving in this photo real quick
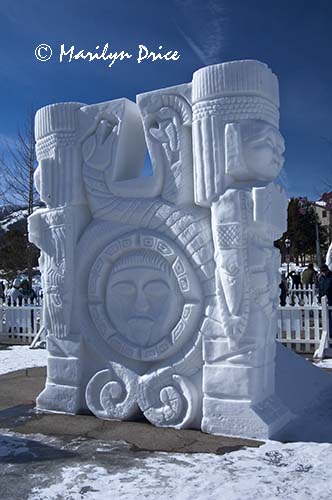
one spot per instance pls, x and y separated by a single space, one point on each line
111 394
168 400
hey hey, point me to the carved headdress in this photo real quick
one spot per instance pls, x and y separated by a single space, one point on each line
55 118
141 259
56 128
238 90
221 94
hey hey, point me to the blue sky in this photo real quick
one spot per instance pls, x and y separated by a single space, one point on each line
293 37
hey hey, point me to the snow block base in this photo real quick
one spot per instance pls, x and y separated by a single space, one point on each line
60 398
244 419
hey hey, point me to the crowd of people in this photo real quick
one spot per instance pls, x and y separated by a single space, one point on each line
18 292
322 280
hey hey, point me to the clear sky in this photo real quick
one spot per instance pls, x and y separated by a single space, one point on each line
294 37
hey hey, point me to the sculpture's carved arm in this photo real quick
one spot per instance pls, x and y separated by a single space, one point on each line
229 227
167 119
268 224
98 141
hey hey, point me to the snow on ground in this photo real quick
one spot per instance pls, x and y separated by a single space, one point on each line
85 469
325 363
296 471
20 357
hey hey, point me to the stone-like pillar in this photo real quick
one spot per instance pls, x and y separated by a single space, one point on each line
237 153
55 230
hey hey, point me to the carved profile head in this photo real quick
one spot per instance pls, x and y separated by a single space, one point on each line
253 151
235 128
143 299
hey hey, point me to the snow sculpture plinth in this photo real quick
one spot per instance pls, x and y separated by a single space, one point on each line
161 292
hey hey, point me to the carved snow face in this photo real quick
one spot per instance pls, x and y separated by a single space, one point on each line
262 149
142 304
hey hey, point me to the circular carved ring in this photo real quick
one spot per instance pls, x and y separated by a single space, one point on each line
143 296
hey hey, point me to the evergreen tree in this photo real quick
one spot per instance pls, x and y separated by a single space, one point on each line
301 231
14 254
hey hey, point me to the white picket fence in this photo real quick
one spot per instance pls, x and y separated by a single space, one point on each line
303 323
20 321
302 295
304 327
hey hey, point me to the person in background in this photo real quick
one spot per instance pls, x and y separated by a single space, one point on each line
325 283
14 315
309 275
25 287
27 291
2 291
283 289
15 293
296 279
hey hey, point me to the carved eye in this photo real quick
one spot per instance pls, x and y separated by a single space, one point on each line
280 147
277 142
269 142
156 288
124 289
262 142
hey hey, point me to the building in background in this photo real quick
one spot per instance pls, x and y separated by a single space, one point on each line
323 208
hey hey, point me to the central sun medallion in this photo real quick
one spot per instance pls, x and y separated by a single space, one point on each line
144 297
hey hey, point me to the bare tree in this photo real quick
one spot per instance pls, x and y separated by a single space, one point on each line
18 164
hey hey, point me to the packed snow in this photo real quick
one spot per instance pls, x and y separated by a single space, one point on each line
19 357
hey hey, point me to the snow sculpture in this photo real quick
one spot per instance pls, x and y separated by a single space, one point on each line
161 291
328 258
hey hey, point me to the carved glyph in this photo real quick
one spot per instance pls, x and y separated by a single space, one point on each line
167 120
112 393
168 399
